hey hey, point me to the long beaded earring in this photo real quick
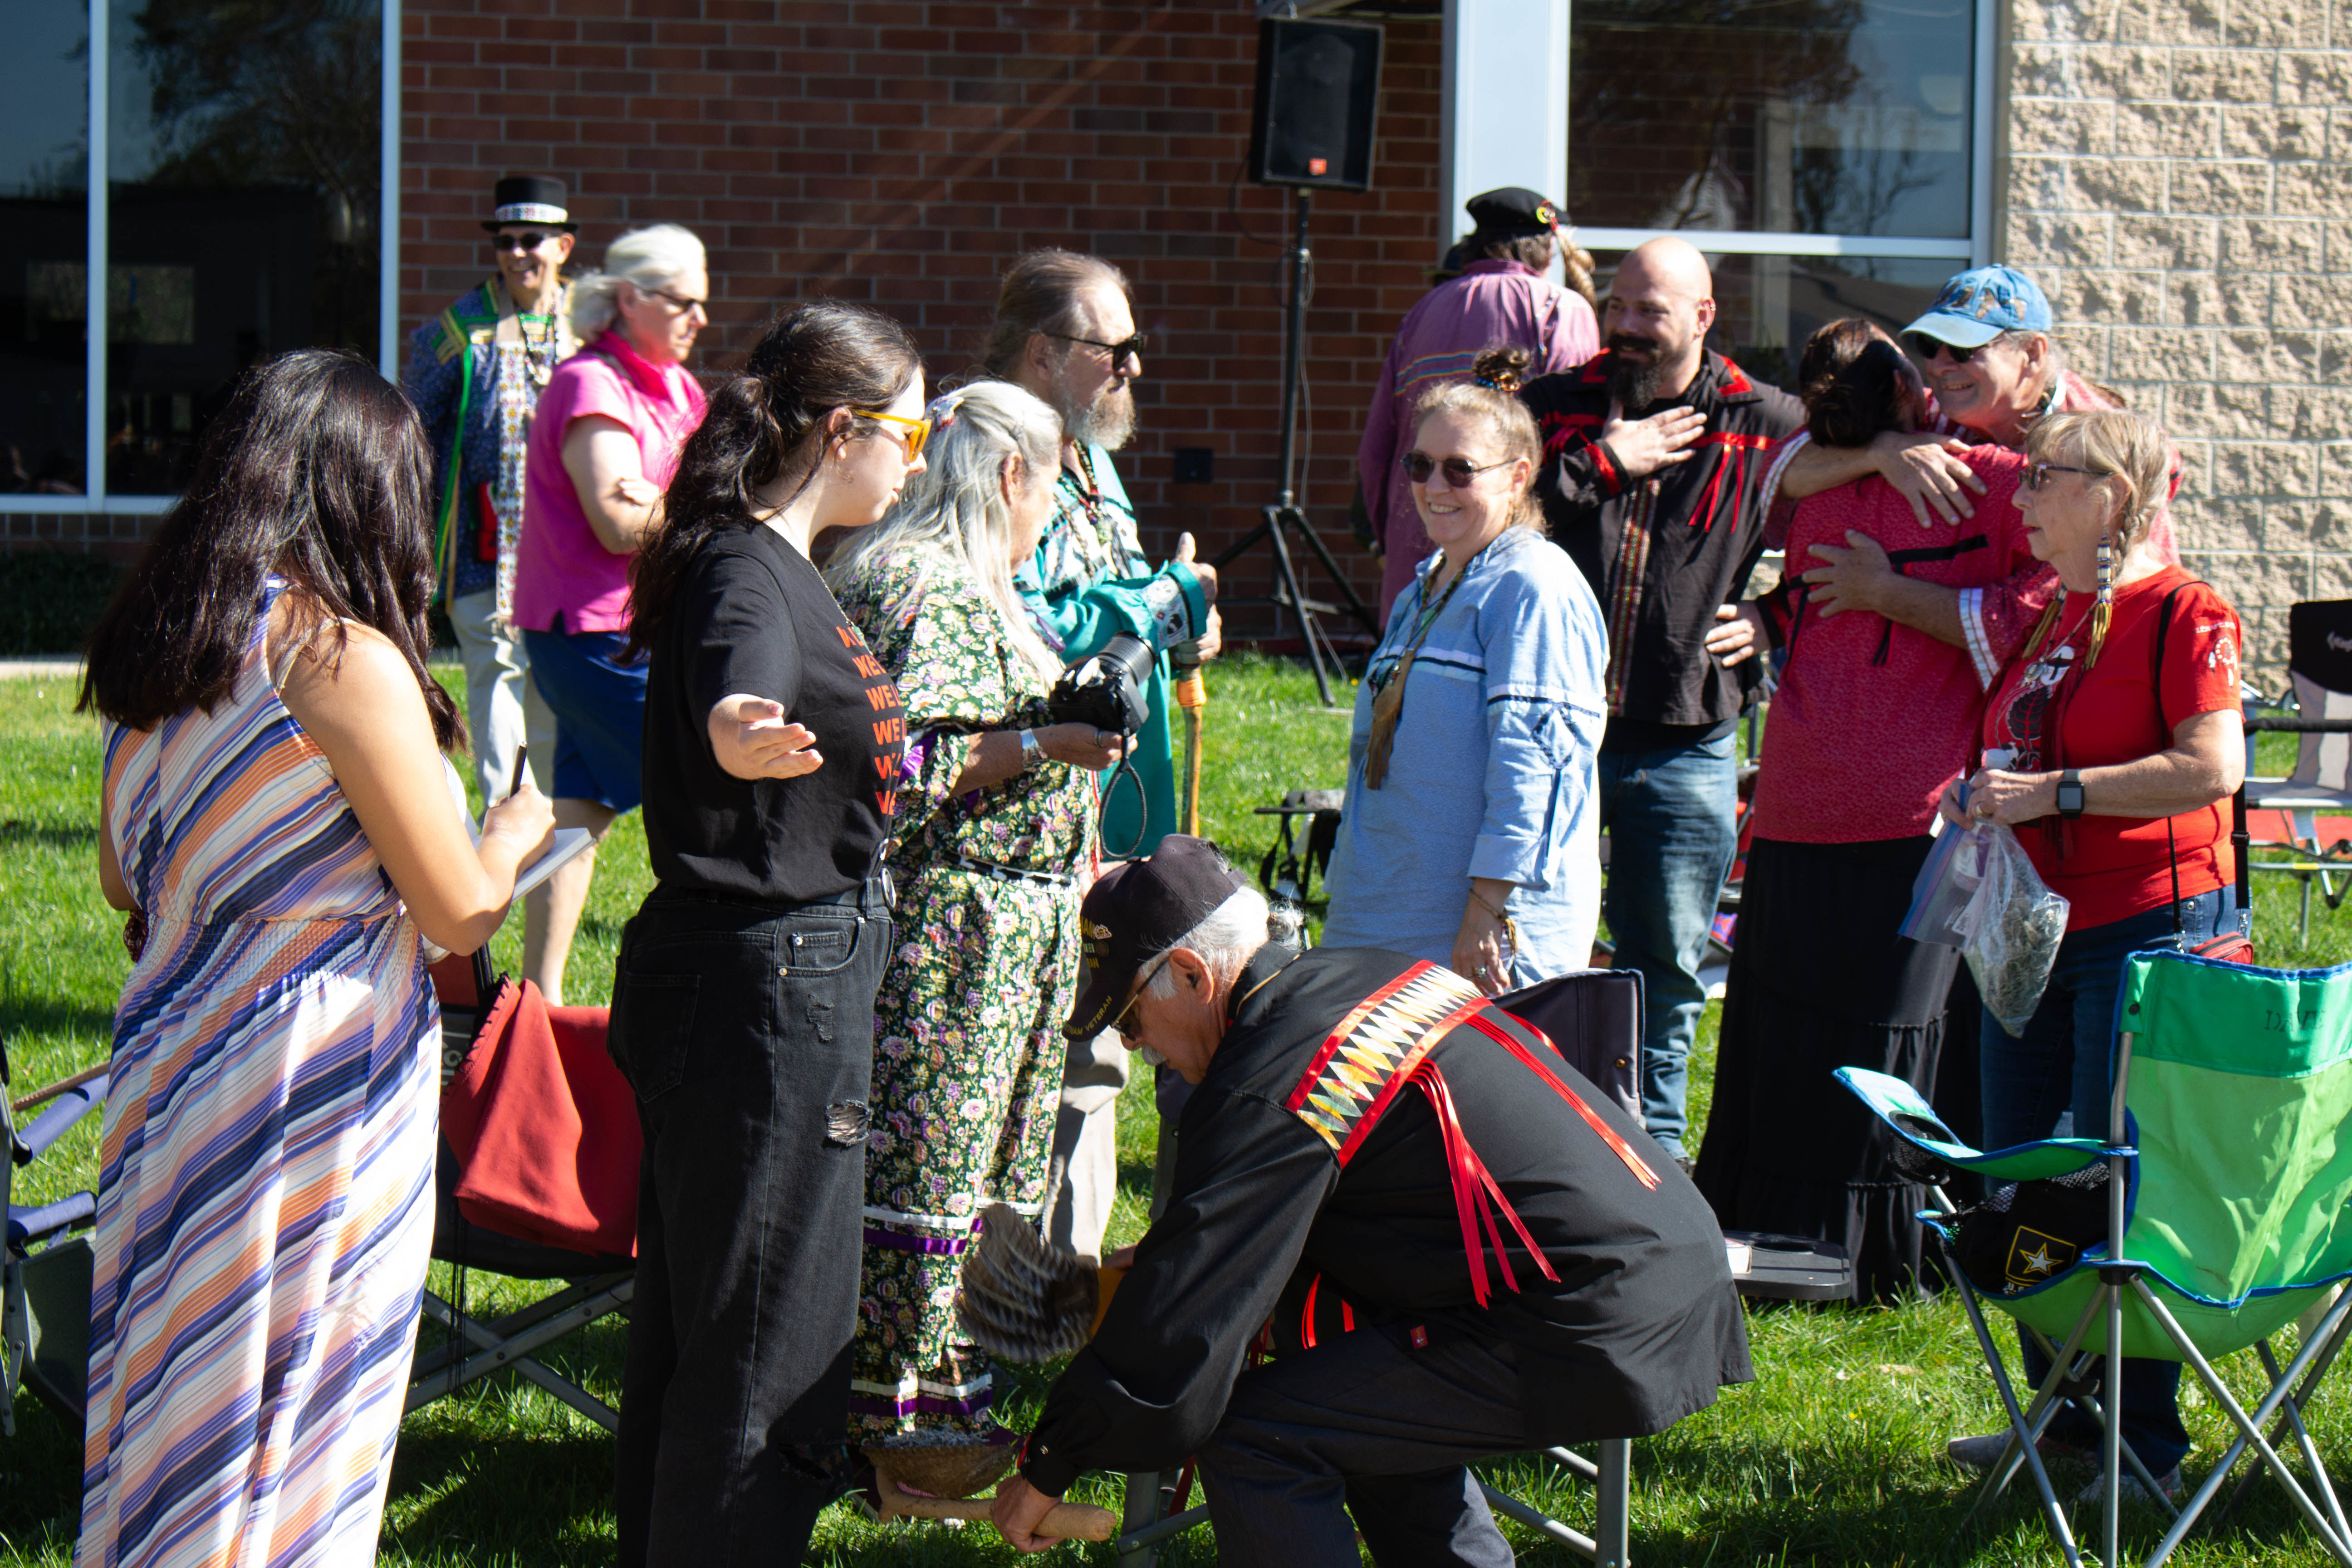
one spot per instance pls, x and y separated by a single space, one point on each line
2103 609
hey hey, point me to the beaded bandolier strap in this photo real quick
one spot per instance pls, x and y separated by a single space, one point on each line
1384 1044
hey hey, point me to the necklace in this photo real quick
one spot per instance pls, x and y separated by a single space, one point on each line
542 362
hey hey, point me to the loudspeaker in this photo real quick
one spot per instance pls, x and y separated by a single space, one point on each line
1318 86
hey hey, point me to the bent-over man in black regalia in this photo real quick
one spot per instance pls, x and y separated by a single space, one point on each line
1455 1246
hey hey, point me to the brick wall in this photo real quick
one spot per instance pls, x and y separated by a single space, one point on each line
901 153
2179 178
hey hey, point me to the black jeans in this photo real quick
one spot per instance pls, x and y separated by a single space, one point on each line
747 1032
1388 1430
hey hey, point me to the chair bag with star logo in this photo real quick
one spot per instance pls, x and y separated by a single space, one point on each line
2227 1179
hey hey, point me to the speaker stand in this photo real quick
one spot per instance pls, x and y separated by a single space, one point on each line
1285 514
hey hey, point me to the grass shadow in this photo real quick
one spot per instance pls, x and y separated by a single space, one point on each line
16 833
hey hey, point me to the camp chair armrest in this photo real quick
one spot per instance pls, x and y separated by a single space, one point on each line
27 1226
52 1123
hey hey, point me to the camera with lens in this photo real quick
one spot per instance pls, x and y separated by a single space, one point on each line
1106 689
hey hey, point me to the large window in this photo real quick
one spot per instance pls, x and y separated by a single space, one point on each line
245 211
1832 157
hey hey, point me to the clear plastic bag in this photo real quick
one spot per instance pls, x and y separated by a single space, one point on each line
2013 925
1946 887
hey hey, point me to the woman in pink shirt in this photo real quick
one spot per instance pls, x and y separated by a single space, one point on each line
1870 717
603 446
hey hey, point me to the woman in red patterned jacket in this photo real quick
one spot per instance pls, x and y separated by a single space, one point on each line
1870 719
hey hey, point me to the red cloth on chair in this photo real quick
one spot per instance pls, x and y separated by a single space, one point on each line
545 1128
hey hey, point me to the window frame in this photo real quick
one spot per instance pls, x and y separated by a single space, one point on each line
96 501
1976 249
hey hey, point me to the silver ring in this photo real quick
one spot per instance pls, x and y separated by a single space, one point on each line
1102 740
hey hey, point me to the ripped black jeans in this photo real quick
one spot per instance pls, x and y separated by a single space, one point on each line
747 1032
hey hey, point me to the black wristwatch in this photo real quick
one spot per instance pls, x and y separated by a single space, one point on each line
2070 793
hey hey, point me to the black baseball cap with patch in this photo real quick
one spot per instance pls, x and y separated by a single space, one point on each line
1512 212
1139 909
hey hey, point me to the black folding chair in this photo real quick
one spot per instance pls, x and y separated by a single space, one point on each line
45 1271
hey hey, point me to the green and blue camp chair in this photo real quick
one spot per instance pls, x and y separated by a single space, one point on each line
2228 1169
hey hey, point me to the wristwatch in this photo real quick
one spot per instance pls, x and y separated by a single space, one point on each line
2070 793
1032 753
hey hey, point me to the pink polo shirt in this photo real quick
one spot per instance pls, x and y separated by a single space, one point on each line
560 566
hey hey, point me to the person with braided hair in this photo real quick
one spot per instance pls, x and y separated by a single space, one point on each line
743 1001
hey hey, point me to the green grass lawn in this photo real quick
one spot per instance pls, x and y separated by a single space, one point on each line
1830 1456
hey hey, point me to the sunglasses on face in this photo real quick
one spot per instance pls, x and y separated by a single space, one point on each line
1459 471
2039 475
677 302
529 239
1118 352
914 432
1118 1019
1927 348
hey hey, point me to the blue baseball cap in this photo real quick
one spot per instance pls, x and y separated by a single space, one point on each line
1980 304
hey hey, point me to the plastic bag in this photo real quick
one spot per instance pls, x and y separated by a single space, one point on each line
1947 885
2014 924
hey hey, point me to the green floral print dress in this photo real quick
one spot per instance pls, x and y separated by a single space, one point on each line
968 1047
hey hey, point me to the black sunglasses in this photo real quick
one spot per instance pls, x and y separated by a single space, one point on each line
1925 347
1117 352
529 239
1459 471
2039 475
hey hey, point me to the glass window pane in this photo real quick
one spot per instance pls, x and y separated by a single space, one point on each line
1788 116
1767 305
244 147
44 246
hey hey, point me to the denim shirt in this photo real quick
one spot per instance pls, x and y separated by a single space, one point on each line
1493 768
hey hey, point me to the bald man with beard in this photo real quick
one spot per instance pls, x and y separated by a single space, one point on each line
1655 454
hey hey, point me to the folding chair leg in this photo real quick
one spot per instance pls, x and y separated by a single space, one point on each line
2303 1376
1613 1529
1141 1512
2017 1422
2248 1427
2332 1343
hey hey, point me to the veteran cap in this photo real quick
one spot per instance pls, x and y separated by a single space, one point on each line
529 198
1512 212
1980 304
1139 909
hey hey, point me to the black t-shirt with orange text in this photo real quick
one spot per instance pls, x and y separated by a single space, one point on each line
752 616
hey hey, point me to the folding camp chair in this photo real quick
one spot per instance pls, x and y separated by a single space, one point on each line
2319 673
45 1271
596 1284
2226 1182
1594 1018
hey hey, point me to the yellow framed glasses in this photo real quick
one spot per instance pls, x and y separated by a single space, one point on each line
917 430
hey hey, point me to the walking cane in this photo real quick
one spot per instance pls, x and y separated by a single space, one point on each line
1193 698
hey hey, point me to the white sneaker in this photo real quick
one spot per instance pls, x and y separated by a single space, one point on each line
2094 1494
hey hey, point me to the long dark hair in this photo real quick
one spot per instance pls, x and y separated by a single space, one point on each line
318 471
1855 383
763 422
1040 294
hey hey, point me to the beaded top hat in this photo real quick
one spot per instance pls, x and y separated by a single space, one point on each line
529 198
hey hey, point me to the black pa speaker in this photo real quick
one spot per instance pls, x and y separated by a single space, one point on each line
1317 85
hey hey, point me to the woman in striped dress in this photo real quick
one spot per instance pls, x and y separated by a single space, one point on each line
274 816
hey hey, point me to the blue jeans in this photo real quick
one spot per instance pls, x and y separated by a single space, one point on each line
1671 821
2056 1082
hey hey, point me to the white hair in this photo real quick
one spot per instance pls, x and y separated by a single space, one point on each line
1230 933
956 507
649 258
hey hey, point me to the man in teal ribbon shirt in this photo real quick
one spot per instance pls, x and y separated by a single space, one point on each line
1064 330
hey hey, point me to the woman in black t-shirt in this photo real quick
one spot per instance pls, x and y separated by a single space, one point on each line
744 1008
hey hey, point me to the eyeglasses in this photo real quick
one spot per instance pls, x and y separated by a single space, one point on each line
917 430
684 306
2039 475
1118 1018
1926 348
1118 352
529 239
1459 471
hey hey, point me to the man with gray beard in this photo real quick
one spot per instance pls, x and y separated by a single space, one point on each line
1064 330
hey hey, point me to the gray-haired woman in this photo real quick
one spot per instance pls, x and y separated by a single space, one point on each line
603 446
995 824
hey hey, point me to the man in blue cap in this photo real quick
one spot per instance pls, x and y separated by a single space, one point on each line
1992 370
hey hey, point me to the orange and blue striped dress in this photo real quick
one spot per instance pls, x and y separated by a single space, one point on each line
265 1167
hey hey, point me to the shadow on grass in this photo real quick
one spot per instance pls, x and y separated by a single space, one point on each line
28 1014
526 1498
15 834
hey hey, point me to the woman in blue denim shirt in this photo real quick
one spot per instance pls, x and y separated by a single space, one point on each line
1470 834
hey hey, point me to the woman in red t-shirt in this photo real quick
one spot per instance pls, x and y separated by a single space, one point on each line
2115 770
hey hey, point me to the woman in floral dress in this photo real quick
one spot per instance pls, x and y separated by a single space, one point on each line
996 827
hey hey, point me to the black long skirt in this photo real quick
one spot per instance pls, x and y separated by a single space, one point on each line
1820 980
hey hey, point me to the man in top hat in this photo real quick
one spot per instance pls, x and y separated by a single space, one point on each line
475 374
1993 369
1500 296
1339 1195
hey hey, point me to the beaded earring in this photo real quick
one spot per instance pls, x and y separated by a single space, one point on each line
2104 608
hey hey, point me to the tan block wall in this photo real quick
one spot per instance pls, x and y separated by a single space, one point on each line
2178 177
